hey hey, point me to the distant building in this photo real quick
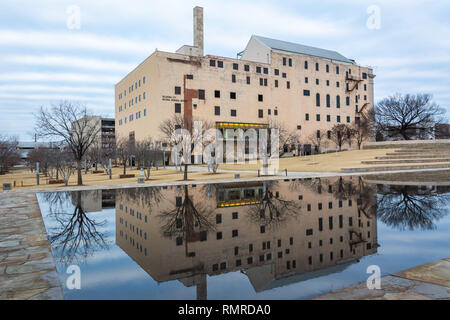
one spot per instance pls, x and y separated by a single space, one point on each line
306 89
25 147
442 131
107 133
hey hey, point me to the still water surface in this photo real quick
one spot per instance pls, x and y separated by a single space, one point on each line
291 239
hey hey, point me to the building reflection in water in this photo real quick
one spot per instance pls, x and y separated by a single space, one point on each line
276 232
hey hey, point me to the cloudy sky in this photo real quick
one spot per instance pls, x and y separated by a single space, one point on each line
45 57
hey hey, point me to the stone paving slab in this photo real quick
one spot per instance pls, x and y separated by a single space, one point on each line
392 288
435 272
430 281
27 268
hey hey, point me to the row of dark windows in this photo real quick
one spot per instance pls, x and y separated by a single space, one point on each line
338 118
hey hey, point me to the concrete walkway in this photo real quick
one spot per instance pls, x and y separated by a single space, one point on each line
27 269
425 282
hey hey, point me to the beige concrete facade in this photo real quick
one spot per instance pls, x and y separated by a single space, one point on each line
166 83
324 233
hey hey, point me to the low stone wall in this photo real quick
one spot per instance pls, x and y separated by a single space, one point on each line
395 168
422 144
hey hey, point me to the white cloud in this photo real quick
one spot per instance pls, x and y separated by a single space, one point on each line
55 97
56 88
69 62
79 41
57 77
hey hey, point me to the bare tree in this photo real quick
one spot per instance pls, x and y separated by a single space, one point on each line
125 148
188 138
317 139
364 129
408 116
42 155
9 155
339 134
287 138
146 155
66 168
72 123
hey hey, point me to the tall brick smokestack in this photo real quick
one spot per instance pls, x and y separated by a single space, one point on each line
198 29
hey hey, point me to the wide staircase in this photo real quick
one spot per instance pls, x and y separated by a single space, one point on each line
406 155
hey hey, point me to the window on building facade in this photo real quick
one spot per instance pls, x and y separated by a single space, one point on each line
290 62
212 63
288 84
307 116
306 93
177 107
317 66
260 113
216 93
266 71
248 80
246 67
260 98
317 99
233 78
277 72
233 112
338 101
201 94
220 64
233 95
235 66
258 69
306 64
317 117
217 111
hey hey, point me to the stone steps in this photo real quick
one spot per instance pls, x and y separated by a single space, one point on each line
441 150
421 156
395 168
417 155
400 161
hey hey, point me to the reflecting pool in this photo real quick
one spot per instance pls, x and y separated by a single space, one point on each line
291 239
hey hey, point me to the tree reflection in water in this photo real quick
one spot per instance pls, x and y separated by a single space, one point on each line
187 219
273 211
408 207
75 235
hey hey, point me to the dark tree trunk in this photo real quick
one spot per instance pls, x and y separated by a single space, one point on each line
185 172
80 179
